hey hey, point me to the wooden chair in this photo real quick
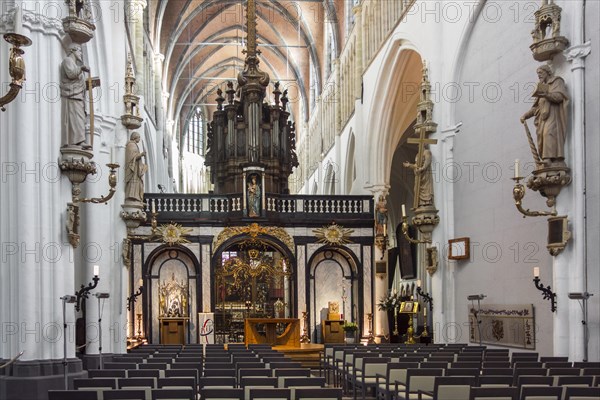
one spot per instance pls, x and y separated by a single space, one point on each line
574 381
130 394
541 393
107 373
137 383
449 388
143 373
371 367
318 394
216 382
269 393
72 395
256 382
417 380
395 372
504 393
231 393
179 382
95 383
173 394
294 381
581 393
494 381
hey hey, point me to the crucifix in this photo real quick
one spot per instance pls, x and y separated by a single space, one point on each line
421 141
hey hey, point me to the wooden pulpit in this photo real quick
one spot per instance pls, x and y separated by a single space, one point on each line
173 329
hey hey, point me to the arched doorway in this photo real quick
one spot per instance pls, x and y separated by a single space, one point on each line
173 282
252 278
335 277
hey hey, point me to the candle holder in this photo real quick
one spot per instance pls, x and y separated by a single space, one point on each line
139 322
370 337
305 338
396 332
519 194
16 65
84 291
410 330
547 293
132 299
407 235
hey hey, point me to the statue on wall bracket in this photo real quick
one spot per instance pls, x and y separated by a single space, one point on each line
547 41
549 111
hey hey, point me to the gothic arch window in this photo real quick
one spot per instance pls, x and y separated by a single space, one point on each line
313 85
330 49
350 164
195 133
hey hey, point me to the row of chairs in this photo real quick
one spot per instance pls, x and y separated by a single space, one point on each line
408 383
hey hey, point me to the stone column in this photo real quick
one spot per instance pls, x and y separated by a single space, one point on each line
37 260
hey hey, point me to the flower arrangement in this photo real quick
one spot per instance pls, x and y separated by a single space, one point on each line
389 302
350 327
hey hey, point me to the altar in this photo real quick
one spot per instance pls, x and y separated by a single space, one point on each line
290 335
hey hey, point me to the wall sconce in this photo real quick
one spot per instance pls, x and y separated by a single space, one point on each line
405 231
547 292
558 234
132 299
77 171
426 297
85 290
16 63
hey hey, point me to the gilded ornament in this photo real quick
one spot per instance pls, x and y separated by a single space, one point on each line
333 234
173 234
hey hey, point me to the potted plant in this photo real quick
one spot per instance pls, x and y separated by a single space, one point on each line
350 329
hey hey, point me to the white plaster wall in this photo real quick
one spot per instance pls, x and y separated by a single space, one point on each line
592 137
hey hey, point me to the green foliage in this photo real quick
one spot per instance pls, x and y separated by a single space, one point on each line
350 327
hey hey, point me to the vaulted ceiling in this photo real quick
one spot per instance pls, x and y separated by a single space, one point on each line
202 42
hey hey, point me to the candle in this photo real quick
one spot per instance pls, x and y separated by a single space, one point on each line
153 207
424 311
403 210
536 272
141 282
385 230
96 270
18 20
112 155
419 283
517 168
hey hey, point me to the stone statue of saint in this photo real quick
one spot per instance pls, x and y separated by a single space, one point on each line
550 115
423 178
134 169
72 92
253 193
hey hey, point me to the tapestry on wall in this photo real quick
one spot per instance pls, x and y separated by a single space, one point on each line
503 325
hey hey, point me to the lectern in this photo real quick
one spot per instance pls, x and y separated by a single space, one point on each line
172 330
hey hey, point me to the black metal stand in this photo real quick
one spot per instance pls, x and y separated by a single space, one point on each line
132 299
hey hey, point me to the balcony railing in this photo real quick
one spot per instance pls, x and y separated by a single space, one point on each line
210 208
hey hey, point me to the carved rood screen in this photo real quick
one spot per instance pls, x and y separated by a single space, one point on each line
250 282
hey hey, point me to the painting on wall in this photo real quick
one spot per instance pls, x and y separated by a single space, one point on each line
503 325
